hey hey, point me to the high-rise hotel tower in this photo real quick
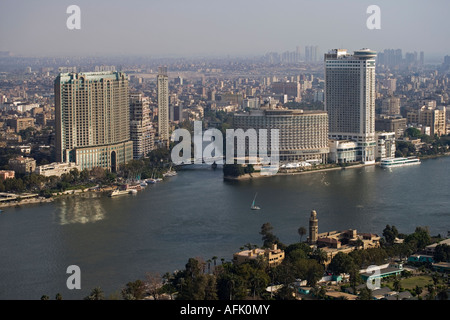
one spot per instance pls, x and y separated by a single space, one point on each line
93 119
350 99
163 105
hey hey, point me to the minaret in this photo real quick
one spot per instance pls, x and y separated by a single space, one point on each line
313 227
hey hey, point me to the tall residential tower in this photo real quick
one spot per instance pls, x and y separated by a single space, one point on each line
141 129
163 105
350 99
92 119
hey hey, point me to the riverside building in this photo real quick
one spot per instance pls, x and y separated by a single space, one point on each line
93 119
141 129
350 99
303 135
163 105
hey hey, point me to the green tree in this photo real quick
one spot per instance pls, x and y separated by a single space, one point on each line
134 290
365 294
267 236
233 170
396 284
96 294
419 239
341 263
319 255
301 232
442 253
389 234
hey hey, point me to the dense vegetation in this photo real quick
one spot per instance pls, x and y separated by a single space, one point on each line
153 166
432 145
209 280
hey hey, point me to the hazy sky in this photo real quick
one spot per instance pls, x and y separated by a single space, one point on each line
188 27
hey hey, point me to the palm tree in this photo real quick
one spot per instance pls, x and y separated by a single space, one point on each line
96 294
319 255
209 265
301 231
214 258
397 284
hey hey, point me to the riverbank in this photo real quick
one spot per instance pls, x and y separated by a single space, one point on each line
289 172
17 203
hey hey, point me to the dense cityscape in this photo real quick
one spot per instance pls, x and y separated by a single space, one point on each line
84 136
408 115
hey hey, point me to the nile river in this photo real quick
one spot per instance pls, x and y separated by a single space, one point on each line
198 214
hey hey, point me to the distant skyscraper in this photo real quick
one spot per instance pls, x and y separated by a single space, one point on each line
311 53
141 129
92 119
350 99
163 104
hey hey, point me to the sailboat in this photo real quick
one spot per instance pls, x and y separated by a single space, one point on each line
254 207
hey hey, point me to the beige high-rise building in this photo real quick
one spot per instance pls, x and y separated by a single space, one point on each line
350 99
163 105
93 119
433 117
391 106
141 129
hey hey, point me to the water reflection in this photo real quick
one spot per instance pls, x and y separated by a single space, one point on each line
85 208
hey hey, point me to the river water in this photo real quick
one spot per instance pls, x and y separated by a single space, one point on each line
198 214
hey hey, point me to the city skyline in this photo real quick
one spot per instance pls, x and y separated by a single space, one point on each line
176 28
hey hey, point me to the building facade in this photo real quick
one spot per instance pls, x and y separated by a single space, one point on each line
333 242
22 164
92 119
163 104
391 124
291 89
274 256
350 99
433 117
6 174
141 129
56 169
385 145
303 135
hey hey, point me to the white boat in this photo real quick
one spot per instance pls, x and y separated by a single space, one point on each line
254 207
132 191
119 192
399 162
170 173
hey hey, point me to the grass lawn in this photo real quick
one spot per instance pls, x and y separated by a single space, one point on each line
412 282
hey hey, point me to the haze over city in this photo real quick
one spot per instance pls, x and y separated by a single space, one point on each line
202 28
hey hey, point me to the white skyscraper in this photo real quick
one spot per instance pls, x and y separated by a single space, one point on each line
163 104
350 99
